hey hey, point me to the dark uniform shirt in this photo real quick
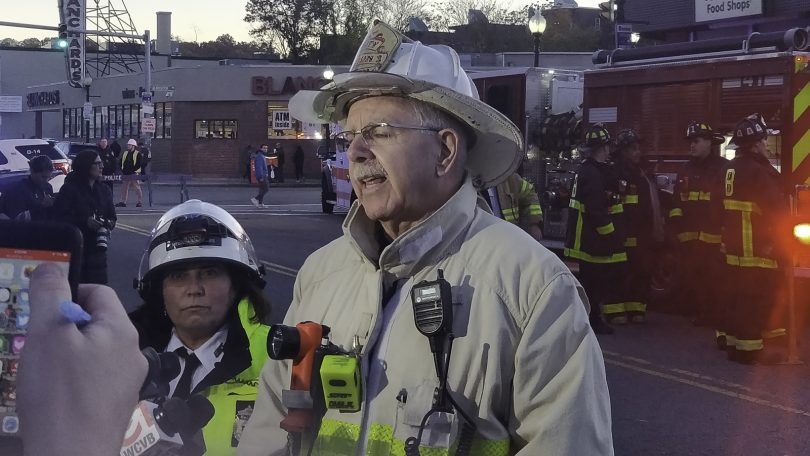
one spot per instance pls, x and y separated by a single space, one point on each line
26 196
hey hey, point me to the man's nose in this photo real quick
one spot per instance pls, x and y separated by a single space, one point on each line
358 151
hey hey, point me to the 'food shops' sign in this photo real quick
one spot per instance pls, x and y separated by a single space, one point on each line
72 14
712 10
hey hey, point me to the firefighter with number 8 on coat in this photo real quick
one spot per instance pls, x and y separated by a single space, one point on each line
638 201
696 227
596 234
752 207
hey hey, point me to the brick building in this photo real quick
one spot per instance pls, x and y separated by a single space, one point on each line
205 117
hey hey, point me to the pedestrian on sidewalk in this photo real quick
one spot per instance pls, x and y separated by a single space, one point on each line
298 160
278 169
131 166
260 168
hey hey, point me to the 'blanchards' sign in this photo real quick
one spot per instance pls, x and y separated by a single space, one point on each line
72 13
713 10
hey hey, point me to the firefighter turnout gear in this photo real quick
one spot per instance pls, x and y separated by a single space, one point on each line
532 394
696 227
596 234
637 202
752 205
519 203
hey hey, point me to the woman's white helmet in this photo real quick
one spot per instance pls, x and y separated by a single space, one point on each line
196 231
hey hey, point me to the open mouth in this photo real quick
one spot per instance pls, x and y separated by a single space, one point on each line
373 181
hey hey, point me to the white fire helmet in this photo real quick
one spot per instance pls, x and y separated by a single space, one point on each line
196 231
389 63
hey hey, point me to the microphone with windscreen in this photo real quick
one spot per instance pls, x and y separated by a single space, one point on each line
163 368
169 429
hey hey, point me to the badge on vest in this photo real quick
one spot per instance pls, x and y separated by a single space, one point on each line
243 411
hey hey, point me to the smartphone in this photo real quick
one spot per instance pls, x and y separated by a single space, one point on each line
23 246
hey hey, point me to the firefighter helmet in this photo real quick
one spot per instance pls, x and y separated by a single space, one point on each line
191 232
596 136
391 64
750 130
626 138
703 130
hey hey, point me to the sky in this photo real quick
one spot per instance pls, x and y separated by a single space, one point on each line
192 20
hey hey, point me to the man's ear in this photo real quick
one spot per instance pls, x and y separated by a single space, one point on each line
451 156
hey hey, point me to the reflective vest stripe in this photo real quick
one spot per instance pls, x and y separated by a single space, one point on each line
696 196
778 332
533 209
578 233
747 235
635 306
749 345
688 236
630 199
607 229
339 438
610 309
744 206
710 238
677 212
615 258
631 242
615 209
751 262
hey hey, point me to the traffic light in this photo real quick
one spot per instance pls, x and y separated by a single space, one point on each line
606 9
618 9
62 41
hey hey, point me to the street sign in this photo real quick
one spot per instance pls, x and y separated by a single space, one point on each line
87 111
148 125
624 34
147 109
146 97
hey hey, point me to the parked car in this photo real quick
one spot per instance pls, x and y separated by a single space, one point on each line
71 149
31 148
14 164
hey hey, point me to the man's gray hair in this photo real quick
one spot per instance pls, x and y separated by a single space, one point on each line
432 117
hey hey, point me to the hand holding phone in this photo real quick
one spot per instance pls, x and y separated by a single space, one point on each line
77 382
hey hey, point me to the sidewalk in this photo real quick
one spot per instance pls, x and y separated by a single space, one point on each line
231 182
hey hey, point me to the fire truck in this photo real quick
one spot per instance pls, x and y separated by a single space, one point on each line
657 91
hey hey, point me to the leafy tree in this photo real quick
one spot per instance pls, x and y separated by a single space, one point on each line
291 25
9 42
30 43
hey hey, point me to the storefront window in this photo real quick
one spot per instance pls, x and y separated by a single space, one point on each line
280 125
215 129
126 121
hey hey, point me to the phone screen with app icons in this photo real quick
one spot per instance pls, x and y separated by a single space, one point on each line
16 268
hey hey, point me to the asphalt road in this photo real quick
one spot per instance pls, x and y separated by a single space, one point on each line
672 392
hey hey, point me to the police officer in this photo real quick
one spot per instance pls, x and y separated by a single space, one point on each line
202 288
596 235
752 207
638 200
32 197
696 227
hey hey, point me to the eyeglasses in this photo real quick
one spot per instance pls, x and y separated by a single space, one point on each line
377 134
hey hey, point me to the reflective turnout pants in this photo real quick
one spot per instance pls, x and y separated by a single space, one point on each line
636 285
602 284
749 307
